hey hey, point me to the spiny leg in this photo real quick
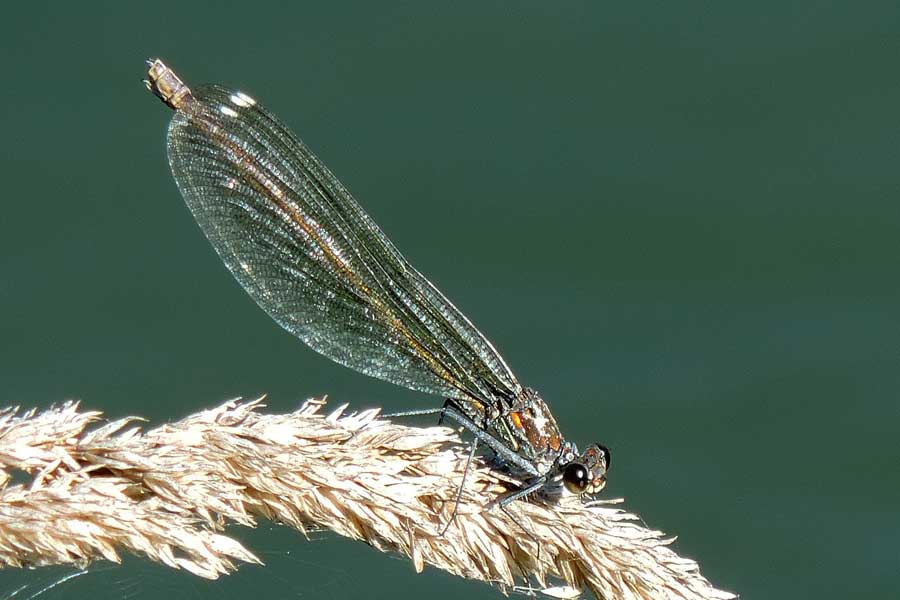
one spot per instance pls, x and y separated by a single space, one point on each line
502 450
527 533
529 488
510 497
462 484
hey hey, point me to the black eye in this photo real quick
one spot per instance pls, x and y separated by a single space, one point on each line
576 478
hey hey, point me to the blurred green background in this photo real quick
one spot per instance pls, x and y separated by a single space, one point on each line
679 221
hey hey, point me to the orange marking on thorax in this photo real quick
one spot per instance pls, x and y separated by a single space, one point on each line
554 441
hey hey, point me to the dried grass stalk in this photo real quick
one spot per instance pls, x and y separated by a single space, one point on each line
166 493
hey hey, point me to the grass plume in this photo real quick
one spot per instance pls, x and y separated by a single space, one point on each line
167 493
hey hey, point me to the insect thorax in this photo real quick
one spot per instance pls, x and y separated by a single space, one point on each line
527 427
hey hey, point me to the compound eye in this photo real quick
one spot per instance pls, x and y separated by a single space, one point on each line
576 478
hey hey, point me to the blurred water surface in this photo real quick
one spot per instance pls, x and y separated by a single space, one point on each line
679 222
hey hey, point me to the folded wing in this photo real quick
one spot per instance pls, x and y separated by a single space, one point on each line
308 254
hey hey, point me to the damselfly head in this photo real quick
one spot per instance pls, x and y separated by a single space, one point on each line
587 473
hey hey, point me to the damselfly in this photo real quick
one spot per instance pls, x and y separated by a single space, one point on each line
309 255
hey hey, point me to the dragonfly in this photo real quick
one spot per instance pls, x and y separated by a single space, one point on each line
303 248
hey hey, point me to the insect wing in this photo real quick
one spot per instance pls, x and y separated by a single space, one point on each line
308 254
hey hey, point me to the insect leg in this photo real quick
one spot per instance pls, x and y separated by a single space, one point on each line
462 484
530 487
495 444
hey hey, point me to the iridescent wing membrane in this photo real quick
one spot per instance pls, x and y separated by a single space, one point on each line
308 254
